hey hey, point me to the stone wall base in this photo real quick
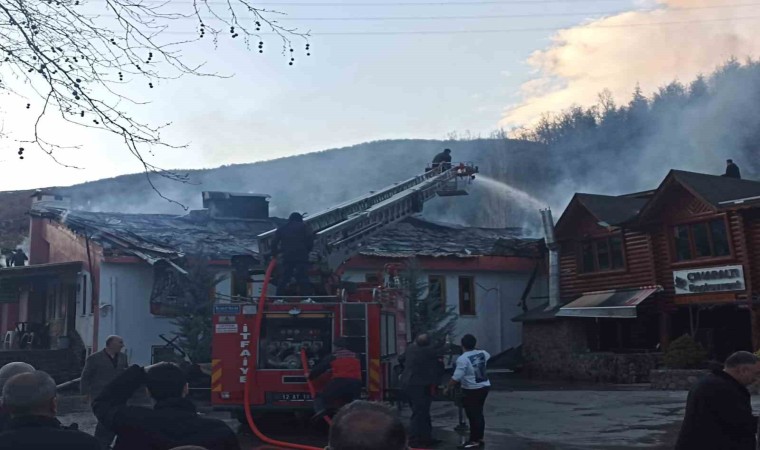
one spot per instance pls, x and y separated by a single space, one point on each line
675 380
62 365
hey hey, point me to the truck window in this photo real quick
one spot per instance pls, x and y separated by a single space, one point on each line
388 335
283 336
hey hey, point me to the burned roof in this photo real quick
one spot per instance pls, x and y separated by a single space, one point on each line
163 236
718 190
417 237
614 210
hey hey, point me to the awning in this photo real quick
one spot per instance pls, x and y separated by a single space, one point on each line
41 270
616 303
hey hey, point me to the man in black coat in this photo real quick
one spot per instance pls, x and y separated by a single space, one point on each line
422 372
443 158
31 400
732 170
172 422
718 409
294 241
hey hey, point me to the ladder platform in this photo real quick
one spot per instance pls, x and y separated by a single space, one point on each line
454 193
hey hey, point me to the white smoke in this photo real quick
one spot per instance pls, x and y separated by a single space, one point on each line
675 41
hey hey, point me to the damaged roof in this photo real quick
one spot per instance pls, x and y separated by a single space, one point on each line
416 237
163 236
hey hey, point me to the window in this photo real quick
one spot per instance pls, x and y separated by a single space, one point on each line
84 294
701 240
242 285
388 335
602 254
466 296
437 288
372 278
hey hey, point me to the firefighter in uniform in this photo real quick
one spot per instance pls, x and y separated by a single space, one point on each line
294 240
346 383
443 158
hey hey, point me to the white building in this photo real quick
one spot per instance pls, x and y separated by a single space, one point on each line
484 275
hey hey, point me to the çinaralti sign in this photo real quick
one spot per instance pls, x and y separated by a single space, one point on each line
709 279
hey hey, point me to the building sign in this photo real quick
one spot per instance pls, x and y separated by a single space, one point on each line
709 279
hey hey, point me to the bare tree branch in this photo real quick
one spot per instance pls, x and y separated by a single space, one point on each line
79 62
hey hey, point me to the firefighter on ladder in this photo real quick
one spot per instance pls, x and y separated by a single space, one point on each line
346 383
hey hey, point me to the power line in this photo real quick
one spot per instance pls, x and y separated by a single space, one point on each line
482 17
494 31
512 16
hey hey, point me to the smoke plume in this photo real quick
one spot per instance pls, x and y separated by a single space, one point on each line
676 40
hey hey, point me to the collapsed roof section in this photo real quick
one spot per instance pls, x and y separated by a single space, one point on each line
154 237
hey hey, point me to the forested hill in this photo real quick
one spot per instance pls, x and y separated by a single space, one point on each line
613 147
617 147
319 180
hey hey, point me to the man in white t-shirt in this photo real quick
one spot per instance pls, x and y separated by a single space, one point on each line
470 374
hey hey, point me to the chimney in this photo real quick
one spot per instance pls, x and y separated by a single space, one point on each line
52 199
228 205
551 245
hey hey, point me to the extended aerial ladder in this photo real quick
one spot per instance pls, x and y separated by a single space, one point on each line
260 347
341 229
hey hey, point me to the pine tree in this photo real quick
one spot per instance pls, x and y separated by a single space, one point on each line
428 310
194 324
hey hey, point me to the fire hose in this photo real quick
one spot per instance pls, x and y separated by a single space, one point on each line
252 371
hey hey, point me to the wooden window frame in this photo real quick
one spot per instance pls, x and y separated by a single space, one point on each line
474 308
442 281
692 248
594 240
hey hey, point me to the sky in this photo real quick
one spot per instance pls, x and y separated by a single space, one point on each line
397 69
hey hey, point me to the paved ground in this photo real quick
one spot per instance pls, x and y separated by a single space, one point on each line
542 416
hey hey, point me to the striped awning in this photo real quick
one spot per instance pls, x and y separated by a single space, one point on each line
619 303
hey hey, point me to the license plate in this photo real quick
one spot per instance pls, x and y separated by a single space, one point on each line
291 397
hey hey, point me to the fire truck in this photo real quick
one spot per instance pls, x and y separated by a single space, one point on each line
261 345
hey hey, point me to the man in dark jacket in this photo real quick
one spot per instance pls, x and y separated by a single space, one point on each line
443 158
101 368
172 422
31 400
422 372
718 409
732 170
346 381
294 241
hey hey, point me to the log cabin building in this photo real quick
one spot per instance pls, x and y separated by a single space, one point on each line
637 271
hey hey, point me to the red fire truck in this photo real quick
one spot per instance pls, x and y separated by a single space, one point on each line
259 342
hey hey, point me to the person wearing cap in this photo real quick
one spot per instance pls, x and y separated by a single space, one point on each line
443 158
294 241
346 382
173 421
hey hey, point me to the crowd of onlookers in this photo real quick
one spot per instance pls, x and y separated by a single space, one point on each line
718 411
29 408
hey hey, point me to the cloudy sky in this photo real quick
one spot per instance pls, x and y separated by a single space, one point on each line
400 69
